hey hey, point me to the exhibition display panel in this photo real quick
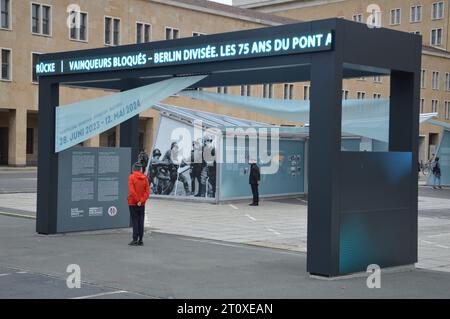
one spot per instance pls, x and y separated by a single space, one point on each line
324 52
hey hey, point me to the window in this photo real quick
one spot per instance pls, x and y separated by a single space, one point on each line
436 36
434 106
222 89
447 110
375 14
5 67
422 105
116 32
83 26
377 79
147 33
288 91
447 82
79 27
172 33
268 91
197 34
306 92
112 31
395 17
345 94
40 19
5 15
377 96
357 17
46 20
437 11
435 80
416 14
35 18
246 90
423 78
143 32
360 95
108 22
30 140
34 61
416 32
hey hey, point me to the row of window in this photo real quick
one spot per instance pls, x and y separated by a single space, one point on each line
435 107
41 24
6 65
437 13
435 36
267 91
434 80
288 92
415 14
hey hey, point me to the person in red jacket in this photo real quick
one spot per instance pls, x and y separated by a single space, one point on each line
138 193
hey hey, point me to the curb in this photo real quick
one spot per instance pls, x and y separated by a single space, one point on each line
17 215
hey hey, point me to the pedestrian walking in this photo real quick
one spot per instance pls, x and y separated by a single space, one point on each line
138 193
437 173
254 180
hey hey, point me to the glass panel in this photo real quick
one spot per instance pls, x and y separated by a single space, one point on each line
6 56
107 30
139 33
73 29
83 26
35 18
4 18
147 33
46 20
116 31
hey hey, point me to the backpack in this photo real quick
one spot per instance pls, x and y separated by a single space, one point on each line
436 169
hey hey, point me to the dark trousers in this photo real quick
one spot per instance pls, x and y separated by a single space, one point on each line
255 193
137 214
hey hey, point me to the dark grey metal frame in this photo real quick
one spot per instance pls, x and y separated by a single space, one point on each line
358 51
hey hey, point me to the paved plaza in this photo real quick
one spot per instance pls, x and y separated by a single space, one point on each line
275 223
199 250
171 266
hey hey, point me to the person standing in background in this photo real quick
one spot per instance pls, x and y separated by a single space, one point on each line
436 174
138 193
254 180
196 166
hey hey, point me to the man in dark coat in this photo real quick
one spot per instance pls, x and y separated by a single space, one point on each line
254 180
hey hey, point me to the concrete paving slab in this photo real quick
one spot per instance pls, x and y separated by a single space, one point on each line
276 223
171 266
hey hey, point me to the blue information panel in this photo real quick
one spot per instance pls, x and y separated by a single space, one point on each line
93 189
